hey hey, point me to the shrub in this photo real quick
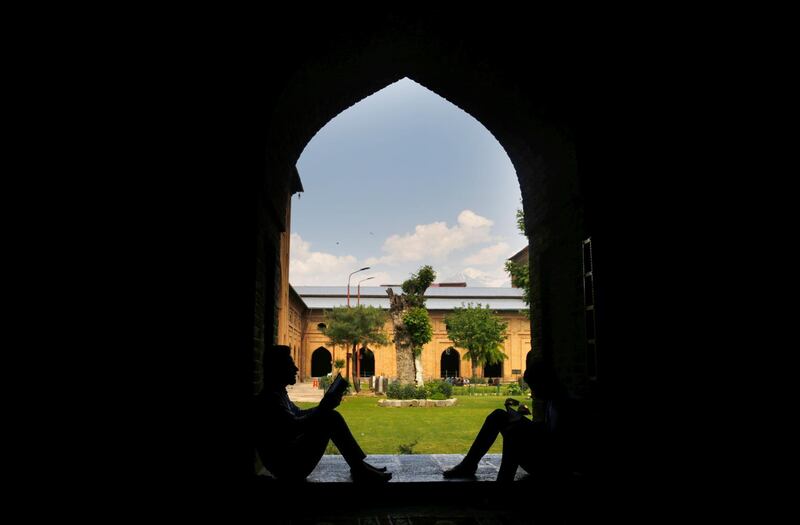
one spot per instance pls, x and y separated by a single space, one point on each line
338 364
438 396
439 387
398 391
419 393
476 390
428 391
513 390
394 391
407 448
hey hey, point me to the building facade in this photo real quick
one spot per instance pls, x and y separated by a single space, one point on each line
315 356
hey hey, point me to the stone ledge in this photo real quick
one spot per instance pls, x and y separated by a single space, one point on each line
407 468
417 402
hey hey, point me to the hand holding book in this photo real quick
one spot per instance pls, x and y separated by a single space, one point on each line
333 396
338 386
523 409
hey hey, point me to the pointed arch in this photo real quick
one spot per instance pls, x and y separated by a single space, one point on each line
321 362
367 365
450 363
493 370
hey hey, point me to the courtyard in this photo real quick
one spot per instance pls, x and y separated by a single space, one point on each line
418 430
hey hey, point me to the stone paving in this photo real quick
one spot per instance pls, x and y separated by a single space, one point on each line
407 468
304 392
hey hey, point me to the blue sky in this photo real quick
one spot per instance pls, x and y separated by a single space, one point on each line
401 179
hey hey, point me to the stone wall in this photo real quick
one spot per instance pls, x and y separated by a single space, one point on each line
516 346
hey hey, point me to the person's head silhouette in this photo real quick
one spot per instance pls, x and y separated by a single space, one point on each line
542 379
279 367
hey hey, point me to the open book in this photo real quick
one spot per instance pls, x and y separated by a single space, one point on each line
338 386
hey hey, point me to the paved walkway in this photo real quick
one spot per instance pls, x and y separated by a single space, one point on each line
304 392
417 494
407 468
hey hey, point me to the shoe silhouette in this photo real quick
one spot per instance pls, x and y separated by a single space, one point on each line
369 474
459 471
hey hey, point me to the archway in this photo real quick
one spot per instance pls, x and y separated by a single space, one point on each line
321 362
450 364
367 364
533 112
493 370
532 120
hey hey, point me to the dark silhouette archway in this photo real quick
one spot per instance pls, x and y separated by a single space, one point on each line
528 98
537 138
321 362
367 365
450 363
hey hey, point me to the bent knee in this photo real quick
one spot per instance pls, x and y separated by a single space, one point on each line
332 416
498 414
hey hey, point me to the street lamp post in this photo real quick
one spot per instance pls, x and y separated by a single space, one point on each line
358 297
357 352
348 305
348 283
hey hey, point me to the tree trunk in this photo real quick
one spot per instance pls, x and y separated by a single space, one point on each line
347 363
418 367
474 369
404 354
356 382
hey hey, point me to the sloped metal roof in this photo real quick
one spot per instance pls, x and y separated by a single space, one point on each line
380 291
502 299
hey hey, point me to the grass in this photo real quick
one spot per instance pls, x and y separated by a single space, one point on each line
437 430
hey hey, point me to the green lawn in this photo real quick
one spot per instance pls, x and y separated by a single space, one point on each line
437 430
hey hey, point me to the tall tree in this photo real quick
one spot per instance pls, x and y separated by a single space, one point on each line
358 326
412 325
480 332
520 276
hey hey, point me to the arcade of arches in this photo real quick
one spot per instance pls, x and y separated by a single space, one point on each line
299 328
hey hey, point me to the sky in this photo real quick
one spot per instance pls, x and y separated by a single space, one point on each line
402 179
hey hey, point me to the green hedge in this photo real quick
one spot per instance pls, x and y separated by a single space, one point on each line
438 388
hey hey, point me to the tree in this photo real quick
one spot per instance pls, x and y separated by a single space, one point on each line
520 275
338 365
480 332
412 325
358 326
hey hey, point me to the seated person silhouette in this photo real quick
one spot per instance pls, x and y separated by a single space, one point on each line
291 441
536 446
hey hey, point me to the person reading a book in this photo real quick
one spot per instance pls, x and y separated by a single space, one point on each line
291 441
536 446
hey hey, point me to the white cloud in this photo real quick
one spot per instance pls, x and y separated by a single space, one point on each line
435 240
307 267
470 219
490 255
492 278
